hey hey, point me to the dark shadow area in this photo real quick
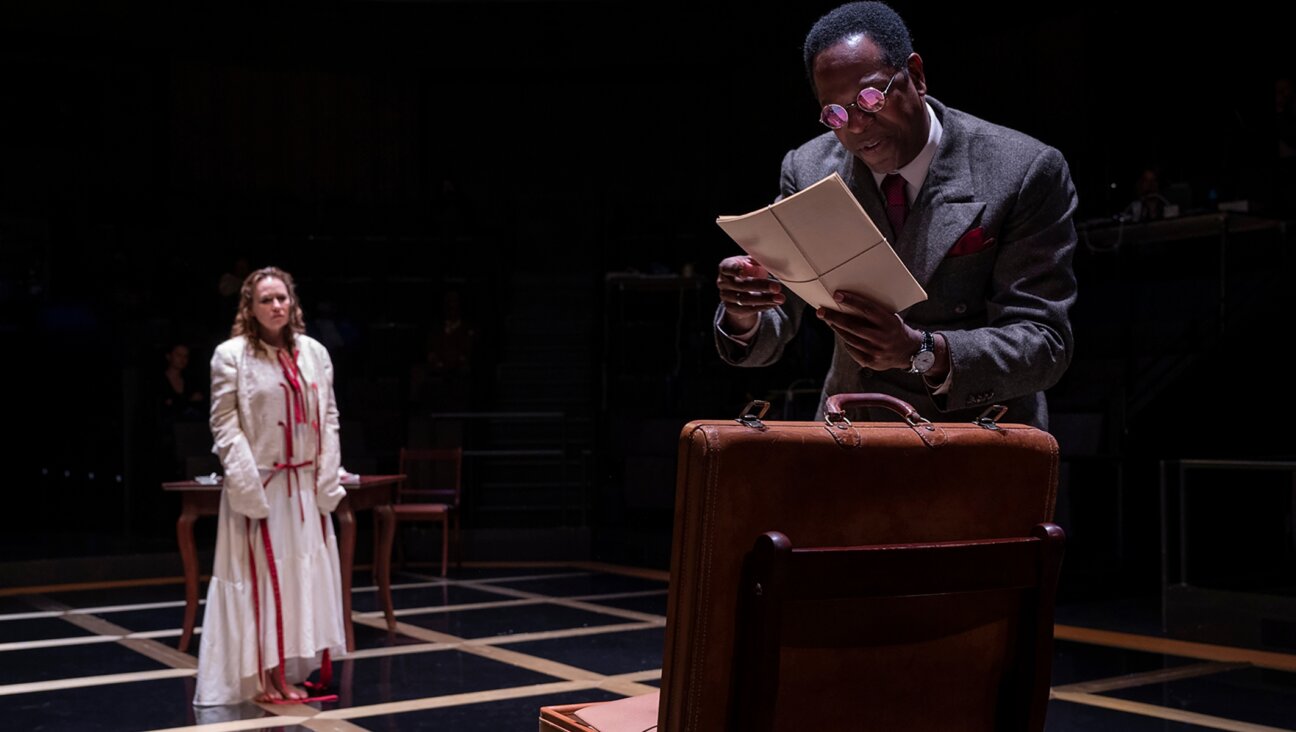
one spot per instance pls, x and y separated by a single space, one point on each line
501 222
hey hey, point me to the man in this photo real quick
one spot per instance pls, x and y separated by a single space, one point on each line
979 213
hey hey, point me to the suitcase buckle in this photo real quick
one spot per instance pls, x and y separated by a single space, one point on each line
990 417
837 419
747 419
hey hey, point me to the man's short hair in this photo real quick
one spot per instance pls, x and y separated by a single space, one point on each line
876 20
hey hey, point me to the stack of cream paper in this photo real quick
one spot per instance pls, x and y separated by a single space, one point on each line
819 240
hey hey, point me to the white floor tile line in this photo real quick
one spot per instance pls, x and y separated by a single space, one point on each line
1159 676
128 608
84 681
1167 713
429 609
31 616
78 640
489 695
438 641
242 724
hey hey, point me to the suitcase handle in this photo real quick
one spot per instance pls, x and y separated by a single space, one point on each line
837 404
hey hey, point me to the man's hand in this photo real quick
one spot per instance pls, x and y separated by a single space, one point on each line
875 337
745 291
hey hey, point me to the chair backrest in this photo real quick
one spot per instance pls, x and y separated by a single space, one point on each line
927 636
431 475
863 484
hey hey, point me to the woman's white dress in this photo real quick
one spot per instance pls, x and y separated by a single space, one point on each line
278 446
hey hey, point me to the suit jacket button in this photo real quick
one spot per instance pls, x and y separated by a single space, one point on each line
960 308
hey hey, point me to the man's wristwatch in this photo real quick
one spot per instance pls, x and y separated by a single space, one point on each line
923 360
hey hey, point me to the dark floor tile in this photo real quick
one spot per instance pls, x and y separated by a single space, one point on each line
424 597
1254 695
605 653
367 681
429 573
65 662
13 631
10 605
488 622
125 595
414 574
587 584
161 618
654 604
1075 662
504 715
1069 717
138 705
476 573
1141 615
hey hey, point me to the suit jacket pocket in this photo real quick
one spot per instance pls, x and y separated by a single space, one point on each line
958 288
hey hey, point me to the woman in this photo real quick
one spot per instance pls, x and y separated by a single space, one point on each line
274 604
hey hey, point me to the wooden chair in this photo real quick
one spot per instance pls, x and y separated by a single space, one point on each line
926 636
932 636
430 492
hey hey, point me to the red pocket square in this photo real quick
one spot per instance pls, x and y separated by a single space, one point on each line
971 243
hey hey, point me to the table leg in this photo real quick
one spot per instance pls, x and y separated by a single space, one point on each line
189 559
386 534
346 547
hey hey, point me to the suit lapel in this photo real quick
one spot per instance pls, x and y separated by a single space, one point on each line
945 207
943 210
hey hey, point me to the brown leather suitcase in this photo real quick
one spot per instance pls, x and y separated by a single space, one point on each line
827 483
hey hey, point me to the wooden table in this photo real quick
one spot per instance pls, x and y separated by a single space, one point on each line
367 492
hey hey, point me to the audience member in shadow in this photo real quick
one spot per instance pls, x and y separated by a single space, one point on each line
450 349
178 405
444 381
181 401
230 282
1148 203
338 335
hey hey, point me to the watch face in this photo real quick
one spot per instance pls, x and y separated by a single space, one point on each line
922 361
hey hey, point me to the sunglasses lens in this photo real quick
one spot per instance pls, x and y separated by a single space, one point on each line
870 99
835 116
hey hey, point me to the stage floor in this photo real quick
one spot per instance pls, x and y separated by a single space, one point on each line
484 649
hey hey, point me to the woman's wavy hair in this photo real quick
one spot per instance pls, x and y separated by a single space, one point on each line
245 323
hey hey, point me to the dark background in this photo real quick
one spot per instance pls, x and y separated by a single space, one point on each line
558 166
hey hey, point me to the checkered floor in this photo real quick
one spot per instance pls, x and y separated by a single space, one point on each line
486 648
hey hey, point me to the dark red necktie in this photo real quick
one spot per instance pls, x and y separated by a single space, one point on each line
897 206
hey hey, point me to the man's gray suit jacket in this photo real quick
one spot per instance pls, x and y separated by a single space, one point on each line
1003 310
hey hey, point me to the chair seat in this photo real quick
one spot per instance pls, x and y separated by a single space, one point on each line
417 510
